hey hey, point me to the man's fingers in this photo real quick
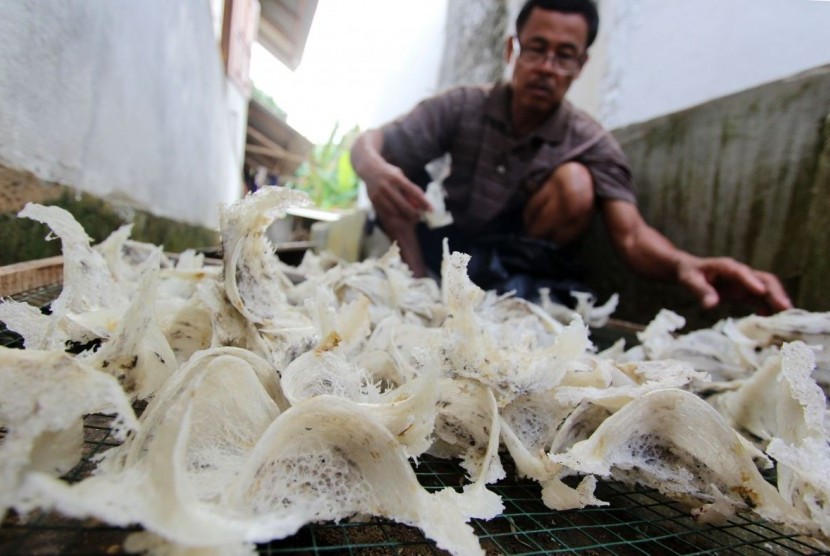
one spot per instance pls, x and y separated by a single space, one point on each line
746 276
414 196
394 206
765 287
695 276
393 194
740 282
709 278
410 201
705 292
776 297
397 204
408 191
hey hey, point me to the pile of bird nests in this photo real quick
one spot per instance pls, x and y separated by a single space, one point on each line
279 396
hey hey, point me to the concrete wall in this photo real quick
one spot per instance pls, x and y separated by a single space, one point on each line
662 56
655 57
474 44
417 51
124 99
747 176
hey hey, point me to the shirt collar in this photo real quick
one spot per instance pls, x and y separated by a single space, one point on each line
552 130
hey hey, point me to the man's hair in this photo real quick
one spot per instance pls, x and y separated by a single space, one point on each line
586 8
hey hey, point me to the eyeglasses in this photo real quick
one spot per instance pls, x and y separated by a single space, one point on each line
562 63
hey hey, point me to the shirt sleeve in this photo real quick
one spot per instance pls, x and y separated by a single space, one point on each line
423 135
610 171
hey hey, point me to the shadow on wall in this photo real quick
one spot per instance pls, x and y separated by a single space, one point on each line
746 176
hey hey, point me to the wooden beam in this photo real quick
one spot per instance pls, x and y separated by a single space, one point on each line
273 153
275 147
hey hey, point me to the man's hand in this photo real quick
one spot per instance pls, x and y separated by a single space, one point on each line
651 254
395 198
712 279
398 202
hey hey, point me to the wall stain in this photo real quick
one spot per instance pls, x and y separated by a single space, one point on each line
746 176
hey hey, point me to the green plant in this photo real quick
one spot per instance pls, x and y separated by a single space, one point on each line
327 176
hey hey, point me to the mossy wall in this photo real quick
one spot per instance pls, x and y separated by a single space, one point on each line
746 176
24 239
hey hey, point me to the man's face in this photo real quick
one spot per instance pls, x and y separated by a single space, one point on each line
538 87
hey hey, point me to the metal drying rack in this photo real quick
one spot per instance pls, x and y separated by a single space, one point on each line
638 520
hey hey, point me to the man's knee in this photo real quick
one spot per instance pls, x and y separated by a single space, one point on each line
574 187
561 210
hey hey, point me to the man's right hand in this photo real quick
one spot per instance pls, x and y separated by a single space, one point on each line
394 197
398 202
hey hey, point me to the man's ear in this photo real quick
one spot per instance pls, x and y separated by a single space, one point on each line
508 49
509 59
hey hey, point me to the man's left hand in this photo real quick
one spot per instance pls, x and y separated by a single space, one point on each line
714 278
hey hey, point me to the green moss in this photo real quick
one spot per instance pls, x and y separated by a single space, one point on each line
174 236
669 130
97 217
730 130
24 239
754 222
712 223
813 291
794 94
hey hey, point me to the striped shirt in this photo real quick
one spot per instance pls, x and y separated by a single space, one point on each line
492 173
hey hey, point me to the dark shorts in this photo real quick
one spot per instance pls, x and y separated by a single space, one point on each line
509 262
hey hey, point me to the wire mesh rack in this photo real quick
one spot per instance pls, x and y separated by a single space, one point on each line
637 521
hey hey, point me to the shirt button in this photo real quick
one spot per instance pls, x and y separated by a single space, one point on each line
501 169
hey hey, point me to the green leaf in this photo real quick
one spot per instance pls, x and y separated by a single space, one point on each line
327 176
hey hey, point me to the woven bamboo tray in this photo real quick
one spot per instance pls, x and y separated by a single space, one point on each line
23 278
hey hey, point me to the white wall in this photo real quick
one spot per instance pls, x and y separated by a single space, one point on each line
122 97
412 73
661 56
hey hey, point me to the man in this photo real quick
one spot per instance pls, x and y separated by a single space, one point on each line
527 166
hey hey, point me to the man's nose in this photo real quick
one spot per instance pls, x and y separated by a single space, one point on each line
547 65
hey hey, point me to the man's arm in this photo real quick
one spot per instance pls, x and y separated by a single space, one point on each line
398 202
650 254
